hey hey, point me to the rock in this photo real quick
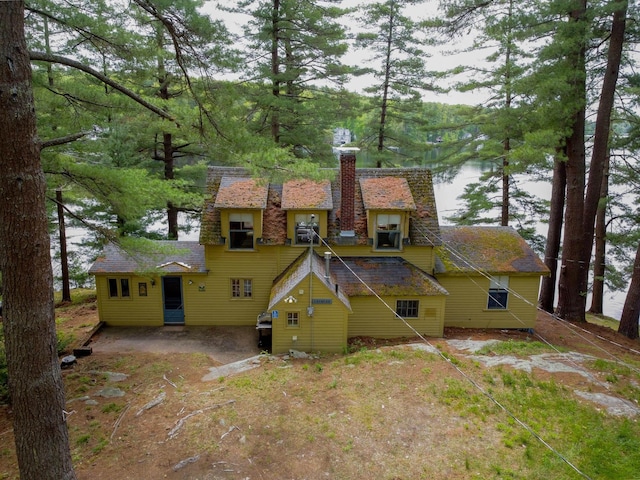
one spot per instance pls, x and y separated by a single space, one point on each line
111 392
297 354
183 463
68 361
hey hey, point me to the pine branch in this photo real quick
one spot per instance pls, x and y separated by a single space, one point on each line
50 58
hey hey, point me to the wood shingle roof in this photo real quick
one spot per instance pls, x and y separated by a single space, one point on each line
468 249
168 257
392 276
306 195
413 192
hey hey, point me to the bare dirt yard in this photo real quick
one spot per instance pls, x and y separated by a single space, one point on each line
406 409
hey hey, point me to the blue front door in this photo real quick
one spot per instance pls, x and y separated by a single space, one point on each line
172 297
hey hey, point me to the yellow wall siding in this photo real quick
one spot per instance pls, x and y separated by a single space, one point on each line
325 331
373 319
215 306
134 310
467 305
195 291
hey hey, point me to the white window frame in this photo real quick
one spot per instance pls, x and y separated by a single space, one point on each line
241 288
304 226
388 231
498 298
405 308
293 319
244 230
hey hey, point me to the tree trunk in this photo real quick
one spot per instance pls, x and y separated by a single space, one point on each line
601 138
385 88
169 174
554 235
35 380
506 144
167 140
631 310
504 218
275 71
599 259
571 291
64 259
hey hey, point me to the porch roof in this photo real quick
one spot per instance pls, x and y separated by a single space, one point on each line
384 276
467 249
167 257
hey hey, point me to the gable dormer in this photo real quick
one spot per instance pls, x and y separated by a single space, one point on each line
388 203
241 202
307 204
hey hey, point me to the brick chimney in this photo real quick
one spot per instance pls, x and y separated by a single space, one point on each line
347 191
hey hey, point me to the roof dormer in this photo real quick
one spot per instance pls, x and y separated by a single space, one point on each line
388 202
307 204
241 201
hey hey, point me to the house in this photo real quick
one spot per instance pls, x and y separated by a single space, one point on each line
312 264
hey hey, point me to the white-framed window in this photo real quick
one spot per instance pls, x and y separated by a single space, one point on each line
241 288
293 319
498 293
240 230
407 308
388 234
119 288
307 229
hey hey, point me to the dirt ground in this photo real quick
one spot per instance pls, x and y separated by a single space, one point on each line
144 406
223 344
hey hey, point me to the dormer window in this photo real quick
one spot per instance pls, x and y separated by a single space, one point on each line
307 229
241 231
388 233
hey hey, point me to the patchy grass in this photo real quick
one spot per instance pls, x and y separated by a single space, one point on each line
518 348
384 412
78 296
603 320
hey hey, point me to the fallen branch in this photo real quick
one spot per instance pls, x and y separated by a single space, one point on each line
169 381
180 423
183 463
117 424
212 391
156 401
229 431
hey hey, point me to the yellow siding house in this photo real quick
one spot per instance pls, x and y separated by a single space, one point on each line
312 264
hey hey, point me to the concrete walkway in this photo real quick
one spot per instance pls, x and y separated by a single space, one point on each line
223 344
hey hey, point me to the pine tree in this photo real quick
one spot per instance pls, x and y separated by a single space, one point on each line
293 55
396 43
35 379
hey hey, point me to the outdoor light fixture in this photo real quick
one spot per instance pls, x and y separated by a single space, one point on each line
290 299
